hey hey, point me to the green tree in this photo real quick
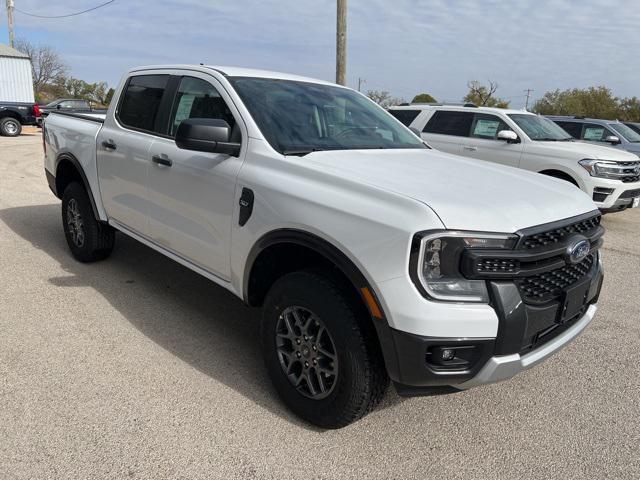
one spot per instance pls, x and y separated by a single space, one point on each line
594 102
423 98
629 109
484 95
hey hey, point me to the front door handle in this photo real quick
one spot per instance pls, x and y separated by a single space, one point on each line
109 145
470 149
161 161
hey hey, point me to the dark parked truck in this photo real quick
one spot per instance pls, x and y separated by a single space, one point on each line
13 115
70 105
372 256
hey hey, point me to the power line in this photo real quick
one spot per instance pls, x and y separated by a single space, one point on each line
64 16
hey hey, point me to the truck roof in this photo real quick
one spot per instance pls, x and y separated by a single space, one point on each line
234 72
460 108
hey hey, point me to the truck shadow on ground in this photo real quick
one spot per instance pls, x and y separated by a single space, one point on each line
183 312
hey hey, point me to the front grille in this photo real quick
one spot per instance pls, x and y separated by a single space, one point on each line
549 285
558 234
631 179
631 193
498 265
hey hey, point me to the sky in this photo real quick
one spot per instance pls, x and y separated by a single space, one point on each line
403 46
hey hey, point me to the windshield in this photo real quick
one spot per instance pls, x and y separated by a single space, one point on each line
540 128
628 133
299 117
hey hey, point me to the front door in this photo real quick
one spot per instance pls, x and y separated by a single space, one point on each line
483 143
191 194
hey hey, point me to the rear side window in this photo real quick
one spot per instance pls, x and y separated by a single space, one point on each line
141 101
572 128
405 116
450 123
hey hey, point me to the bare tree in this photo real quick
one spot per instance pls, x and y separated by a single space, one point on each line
483 95
383 98
46 64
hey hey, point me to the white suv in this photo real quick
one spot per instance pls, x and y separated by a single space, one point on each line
521 139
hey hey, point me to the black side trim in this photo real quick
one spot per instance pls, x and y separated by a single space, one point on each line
51 180
74 161
246 206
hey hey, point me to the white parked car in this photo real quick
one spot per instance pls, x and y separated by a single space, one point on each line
611 177
371 255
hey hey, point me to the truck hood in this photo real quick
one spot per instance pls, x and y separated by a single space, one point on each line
465 194
578 150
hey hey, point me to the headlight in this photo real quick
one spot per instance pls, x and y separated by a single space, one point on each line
438 264
607 168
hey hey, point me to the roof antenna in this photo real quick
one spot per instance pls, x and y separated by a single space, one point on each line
201 63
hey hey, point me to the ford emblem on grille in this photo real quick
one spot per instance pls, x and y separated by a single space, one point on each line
577 251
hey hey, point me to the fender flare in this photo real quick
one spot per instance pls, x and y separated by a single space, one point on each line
85 182
346 266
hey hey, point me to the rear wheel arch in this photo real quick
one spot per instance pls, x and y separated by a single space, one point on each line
68 170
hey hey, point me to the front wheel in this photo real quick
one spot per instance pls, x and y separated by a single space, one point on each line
10 127
321 351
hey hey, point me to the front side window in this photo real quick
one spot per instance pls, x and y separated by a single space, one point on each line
197 98
539 128
626 132
445 122
405 116
487 126
572 128
141 101
595 133
300 117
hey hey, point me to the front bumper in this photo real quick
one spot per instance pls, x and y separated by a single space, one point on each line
613 195
503 367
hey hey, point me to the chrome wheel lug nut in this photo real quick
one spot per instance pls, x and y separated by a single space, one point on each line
306 338
306 364
298 354
315 362
298 341
314 348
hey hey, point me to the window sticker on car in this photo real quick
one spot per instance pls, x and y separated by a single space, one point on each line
486 128
184 108
593 133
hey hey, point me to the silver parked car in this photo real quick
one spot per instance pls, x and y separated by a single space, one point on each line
609 132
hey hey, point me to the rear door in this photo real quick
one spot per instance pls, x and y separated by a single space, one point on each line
123 146
446 129
483 144
191 194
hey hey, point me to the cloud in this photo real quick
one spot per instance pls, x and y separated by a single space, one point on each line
405 46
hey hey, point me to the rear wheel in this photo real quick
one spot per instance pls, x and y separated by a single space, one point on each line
89 240
321 351
10 127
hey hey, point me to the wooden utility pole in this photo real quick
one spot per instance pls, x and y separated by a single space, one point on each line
528 91
341 43
10 20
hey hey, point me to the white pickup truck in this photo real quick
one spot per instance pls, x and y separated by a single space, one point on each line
372 256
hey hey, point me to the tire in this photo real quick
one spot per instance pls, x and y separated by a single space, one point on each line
10 127
354 383
89 240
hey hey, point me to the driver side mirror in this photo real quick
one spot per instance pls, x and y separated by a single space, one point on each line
509 136
612 139
58 107
210 135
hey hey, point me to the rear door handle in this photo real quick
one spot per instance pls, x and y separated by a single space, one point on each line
470 149
161 161
109 145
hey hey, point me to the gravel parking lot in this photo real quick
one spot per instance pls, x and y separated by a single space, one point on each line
138 368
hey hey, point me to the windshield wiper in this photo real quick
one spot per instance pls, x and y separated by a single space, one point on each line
301 152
